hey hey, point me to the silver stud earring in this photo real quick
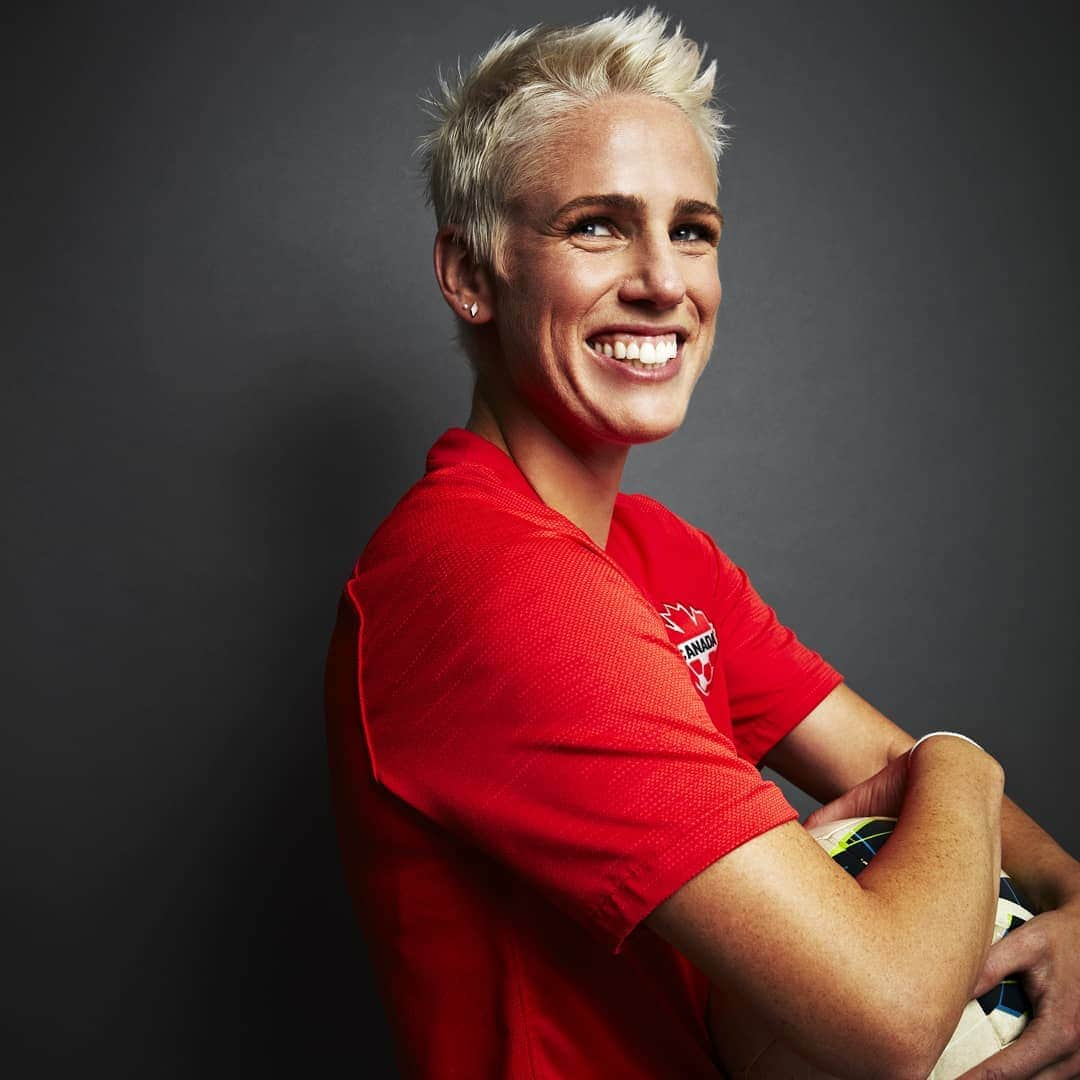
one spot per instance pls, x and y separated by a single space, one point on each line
474 309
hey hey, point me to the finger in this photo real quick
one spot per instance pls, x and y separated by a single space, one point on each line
850 804
1066 1069
1018 950
1036 1053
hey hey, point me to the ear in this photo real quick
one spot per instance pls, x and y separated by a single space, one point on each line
465 284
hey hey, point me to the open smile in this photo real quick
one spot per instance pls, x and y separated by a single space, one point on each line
644 355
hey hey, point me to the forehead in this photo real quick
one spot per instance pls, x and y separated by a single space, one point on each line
628 145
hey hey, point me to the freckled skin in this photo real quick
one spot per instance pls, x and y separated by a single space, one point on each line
563 288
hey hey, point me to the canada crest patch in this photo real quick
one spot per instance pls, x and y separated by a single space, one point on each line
695 637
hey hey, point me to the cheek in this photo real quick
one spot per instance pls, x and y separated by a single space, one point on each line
714 287
709 294
574 285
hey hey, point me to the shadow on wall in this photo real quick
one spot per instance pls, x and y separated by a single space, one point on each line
283 975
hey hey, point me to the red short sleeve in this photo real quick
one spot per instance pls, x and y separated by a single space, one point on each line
521 693
773 680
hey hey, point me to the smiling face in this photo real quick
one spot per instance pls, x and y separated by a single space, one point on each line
606 313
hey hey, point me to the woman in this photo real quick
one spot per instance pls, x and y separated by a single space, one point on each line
546 699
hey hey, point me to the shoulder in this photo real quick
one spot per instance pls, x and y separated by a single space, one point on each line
654 525
455 505
472 593
469 544
462 510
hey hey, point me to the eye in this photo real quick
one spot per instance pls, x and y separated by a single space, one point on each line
693 233
594 227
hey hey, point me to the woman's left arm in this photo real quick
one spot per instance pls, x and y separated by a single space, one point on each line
846 741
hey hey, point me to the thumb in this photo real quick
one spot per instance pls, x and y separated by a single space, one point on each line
852 803
878 796
829 812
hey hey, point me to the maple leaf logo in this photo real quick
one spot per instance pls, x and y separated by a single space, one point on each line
694 636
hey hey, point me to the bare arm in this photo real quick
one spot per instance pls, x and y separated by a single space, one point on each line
844 741
757 920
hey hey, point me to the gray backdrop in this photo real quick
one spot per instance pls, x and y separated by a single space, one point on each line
229 357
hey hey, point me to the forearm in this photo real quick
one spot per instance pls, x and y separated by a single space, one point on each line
846 740
914 932
952 803
842 742
837 754
1047 874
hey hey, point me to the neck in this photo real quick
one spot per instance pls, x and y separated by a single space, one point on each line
580 482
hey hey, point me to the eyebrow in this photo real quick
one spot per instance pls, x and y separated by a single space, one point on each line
636 204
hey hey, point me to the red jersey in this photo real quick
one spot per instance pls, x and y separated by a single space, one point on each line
534 741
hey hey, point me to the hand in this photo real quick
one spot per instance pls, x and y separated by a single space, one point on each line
1046 952
879 796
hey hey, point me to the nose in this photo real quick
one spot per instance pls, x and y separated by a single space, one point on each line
655 276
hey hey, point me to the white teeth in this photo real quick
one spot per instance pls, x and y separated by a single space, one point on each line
650 352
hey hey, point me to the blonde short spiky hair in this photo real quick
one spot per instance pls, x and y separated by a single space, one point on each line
492 121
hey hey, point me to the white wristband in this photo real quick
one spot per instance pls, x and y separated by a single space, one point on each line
931 734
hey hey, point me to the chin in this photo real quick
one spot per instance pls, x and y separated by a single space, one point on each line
647 417
634 431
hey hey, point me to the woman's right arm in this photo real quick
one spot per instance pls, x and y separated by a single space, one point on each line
863 977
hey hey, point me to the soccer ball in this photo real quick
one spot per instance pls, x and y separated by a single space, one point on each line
987 1023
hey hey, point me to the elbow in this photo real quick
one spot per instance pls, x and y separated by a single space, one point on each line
895 1058
899 1034
908 1060
886 1054
915 1038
